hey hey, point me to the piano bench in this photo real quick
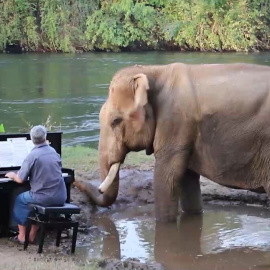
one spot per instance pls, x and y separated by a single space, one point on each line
58 217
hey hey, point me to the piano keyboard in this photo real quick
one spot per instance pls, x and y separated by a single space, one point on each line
5 179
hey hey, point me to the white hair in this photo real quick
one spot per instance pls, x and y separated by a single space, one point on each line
38 134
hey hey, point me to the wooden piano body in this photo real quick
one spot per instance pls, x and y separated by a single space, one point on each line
10 189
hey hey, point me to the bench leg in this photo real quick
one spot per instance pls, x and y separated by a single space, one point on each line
58 237
27 232
42 237
74 237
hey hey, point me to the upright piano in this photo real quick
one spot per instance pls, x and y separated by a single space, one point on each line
10 189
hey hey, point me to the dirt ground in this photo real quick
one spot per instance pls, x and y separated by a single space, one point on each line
136 188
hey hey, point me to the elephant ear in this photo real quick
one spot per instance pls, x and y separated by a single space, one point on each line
141 86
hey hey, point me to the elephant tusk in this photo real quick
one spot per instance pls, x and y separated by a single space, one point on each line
110 177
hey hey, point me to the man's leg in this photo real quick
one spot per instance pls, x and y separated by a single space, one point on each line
33 233
21 235
21 212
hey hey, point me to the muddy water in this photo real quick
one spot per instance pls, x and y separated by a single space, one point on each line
224 237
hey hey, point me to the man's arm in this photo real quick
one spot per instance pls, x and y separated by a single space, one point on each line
15 177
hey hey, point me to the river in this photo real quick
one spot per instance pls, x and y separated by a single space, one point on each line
69 89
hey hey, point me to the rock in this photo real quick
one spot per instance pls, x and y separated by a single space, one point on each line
128 264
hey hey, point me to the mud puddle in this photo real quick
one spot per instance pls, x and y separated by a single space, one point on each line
224 237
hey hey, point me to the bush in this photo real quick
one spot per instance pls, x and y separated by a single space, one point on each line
115 25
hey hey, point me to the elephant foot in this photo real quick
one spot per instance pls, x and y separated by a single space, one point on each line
168 212
192 211
165 218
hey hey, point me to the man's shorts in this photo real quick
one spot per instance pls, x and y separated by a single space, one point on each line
21 211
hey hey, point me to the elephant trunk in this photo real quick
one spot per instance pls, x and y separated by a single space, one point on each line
106 199
107 192
109 196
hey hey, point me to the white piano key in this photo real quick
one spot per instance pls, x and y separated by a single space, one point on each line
5 179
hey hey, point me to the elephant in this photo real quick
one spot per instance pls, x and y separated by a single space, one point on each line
211 120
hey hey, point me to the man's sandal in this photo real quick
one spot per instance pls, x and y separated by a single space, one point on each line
16 240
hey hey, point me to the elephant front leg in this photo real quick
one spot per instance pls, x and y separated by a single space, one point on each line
190 193
166 201
169 168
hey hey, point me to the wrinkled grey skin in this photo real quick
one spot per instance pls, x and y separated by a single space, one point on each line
210 120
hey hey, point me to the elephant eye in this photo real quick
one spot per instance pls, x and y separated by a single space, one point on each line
116 122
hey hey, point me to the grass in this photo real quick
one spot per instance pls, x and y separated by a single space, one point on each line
80 158
48 263
83 158
44 265
139 159
13 257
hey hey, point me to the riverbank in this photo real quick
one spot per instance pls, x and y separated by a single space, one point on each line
136 189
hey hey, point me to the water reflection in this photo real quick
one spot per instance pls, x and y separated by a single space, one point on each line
111 243
71 88
222 238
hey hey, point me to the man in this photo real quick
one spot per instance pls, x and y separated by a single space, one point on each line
42 168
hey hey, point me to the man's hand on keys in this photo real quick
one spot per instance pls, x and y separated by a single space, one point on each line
10 175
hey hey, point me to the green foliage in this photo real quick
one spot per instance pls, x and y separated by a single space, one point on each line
17 24
123 23
9 23
47 25
69 25
217 25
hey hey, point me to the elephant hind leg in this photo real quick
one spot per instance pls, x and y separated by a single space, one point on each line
190 193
